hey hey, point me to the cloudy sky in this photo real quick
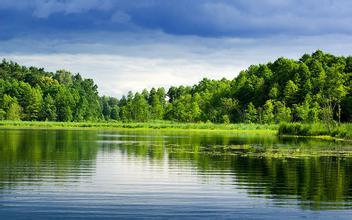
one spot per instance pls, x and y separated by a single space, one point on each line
134 44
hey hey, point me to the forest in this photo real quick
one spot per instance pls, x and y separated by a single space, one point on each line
314 88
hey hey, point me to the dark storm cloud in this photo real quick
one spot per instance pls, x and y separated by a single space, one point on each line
204 18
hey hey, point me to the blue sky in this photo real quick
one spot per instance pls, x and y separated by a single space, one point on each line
132 44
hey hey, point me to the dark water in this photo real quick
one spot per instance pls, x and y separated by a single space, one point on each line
54 174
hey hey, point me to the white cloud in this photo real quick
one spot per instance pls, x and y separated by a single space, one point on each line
119 63
115 75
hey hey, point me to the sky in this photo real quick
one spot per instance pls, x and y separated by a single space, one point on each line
135 44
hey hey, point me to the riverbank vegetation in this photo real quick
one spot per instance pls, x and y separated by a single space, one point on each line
316 129
252 128
342 131
316 88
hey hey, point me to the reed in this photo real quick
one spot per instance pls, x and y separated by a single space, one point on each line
316 129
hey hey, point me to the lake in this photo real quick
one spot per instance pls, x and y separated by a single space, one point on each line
127 174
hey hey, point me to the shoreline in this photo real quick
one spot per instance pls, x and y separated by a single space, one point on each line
260 129
237 128
227 129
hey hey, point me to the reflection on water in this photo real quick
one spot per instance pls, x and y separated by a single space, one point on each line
166 174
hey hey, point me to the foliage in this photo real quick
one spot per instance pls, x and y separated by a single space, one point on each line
316 129
315 88
32 94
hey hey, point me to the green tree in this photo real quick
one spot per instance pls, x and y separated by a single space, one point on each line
34 104
185 108
278 90
274 91
48 112
226 119
268 112
251 113
2 114
335 90
11 108
14 112
140 108
290 92
115 113
106 108
282 112
64 102
157 108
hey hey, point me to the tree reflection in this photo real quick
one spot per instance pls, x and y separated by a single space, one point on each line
35 154
318 182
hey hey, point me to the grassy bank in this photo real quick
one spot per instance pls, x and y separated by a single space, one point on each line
343 131
255 128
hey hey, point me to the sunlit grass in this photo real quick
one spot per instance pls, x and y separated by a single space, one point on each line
257 128
321 130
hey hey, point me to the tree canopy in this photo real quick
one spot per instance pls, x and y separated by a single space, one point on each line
317 87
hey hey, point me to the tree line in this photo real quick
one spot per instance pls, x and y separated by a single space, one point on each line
33 94
316 87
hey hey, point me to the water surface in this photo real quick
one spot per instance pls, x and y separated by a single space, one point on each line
54 174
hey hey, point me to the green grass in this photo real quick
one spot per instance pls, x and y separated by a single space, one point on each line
343 130
253 128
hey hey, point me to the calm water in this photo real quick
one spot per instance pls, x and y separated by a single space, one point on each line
54 174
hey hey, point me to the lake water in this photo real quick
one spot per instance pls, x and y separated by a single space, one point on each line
54 174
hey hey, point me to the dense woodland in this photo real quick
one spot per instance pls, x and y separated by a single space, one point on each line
315 88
